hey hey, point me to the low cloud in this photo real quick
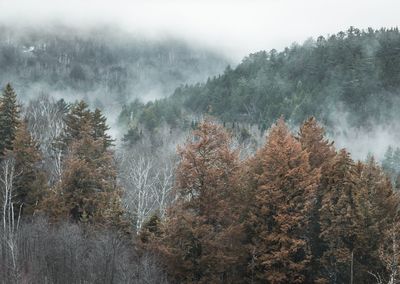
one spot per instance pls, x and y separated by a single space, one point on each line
236 27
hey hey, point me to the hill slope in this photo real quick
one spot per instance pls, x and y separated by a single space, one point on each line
104 66
354 72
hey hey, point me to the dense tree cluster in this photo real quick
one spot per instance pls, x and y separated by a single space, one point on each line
298 211
85 193
295 211
354 72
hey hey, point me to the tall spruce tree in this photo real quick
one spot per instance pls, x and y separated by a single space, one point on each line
201 240
88 191
78 121
340 219
282 209
30 182
100 128
378 207
9 118
321 156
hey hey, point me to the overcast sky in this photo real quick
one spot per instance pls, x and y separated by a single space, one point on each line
236 27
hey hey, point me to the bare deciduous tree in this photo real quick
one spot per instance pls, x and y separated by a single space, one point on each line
148 182
10 220
46 125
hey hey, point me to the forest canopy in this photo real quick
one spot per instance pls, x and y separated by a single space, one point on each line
354 73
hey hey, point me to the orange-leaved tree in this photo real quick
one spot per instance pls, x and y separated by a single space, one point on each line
201 241
280 216
321 156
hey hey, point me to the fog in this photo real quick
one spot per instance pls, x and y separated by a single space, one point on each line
363 142
236 27
232 29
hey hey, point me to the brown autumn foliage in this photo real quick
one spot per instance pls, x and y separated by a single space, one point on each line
201 242
295 212
280 216
321 156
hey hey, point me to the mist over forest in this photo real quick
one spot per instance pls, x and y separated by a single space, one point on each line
115 71
107 67
140 149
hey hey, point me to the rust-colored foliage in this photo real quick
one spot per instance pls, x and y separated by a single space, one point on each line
201 241
340 216
321 156
280 217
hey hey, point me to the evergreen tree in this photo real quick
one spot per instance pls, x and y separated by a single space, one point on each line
201 241
88 191
340 220
387 162
378 207
321 155
30 182
391 165
9 118
78 121
312 138
282 210
100 128
132 136
396 160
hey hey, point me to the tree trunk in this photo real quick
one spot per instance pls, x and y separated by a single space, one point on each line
351 267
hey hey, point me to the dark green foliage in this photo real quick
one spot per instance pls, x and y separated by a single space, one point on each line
9 118
100 128
391 165
356 72
79 120
132 136
30 182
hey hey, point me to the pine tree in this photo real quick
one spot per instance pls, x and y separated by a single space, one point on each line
88 191
340 219
78 121
201 241
30 182
321 156
388 158
9 118
378 206
282 209
391 164
100 128
312 139
396 160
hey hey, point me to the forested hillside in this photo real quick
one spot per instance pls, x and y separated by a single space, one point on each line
355 74
105 66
